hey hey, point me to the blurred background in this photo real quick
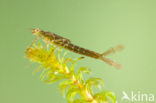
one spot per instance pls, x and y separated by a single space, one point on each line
94 24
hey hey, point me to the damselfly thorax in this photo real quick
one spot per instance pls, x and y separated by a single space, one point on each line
55 39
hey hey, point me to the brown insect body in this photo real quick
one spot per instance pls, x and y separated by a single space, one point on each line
66 43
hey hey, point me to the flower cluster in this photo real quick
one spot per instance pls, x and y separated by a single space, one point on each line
56 67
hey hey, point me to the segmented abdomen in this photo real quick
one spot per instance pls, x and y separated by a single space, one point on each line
79 50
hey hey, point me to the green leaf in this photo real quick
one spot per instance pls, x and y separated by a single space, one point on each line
101 97
84 70
73 64
80 72
67 60
64 85
56 77
104 96
71 94
63 57
59 54
93 82
111 96
43 74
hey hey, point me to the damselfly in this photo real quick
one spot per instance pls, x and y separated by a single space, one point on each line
55 39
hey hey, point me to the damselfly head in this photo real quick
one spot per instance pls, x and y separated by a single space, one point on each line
36 31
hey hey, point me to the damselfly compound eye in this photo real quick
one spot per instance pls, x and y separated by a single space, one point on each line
36 31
